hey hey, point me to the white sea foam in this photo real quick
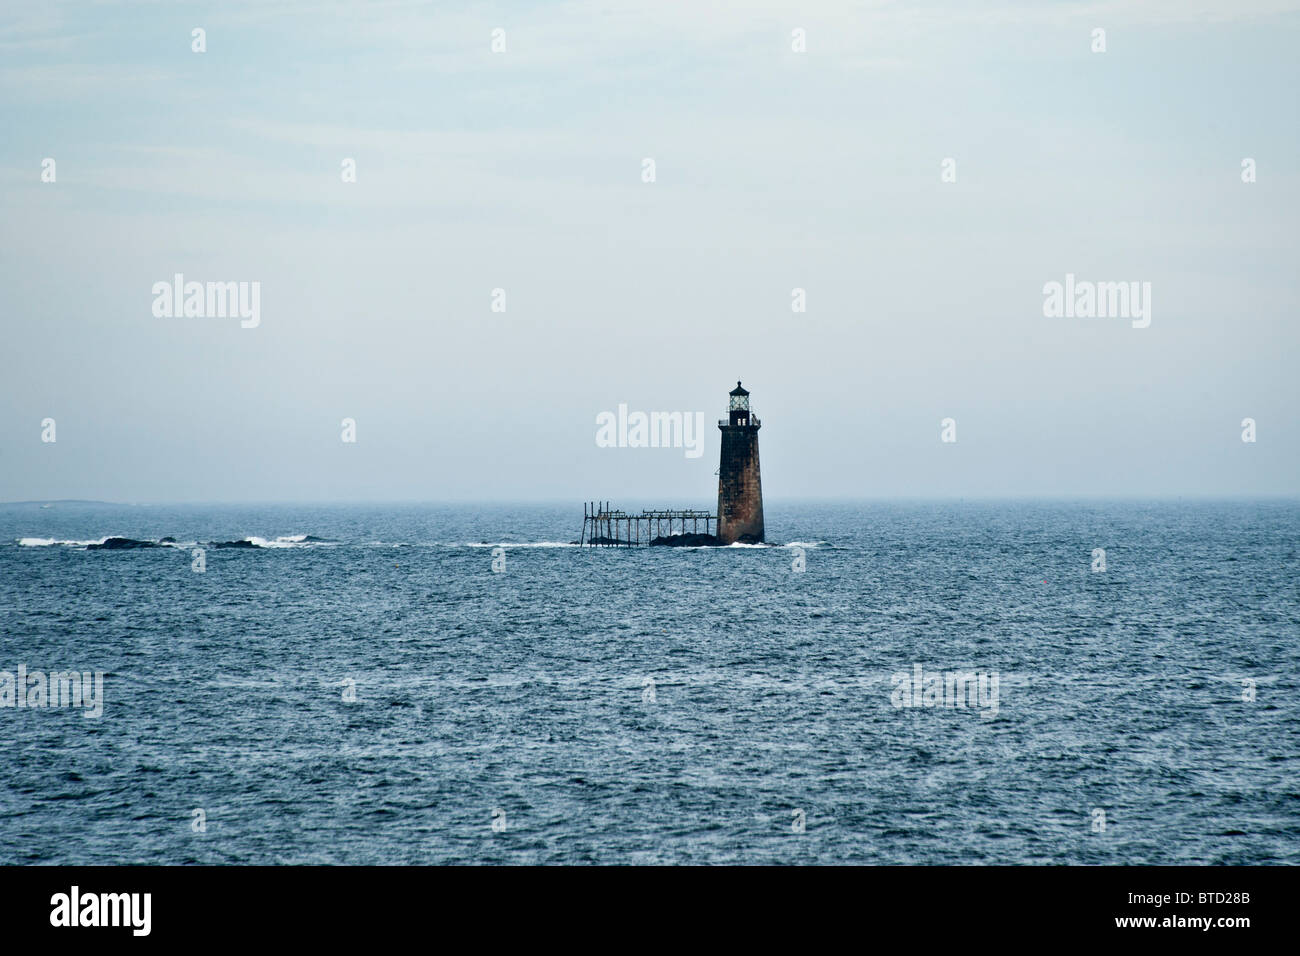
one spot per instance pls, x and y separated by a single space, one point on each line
283 541
47 542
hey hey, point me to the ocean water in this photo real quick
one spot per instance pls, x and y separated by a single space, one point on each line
656 705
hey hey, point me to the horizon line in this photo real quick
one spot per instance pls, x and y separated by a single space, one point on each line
797 499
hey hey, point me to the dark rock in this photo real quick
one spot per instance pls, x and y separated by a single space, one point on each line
120 544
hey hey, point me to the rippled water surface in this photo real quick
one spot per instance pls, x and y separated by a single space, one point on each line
528 692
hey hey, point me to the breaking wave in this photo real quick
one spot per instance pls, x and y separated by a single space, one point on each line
252 542
122 543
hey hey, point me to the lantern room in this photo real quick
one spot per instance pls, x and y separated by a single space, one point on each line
738 408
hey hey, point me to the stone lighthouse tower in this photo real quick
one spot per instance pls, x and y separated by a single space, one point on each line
740 489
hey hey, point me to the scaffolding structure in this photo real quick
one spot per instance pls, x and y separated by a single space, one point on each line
605 526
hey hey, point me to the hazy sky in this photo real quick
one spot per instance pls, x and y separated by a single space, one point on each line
522 171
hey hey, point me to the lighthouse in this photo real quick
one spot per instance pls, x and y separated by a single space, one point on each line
740 487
